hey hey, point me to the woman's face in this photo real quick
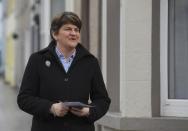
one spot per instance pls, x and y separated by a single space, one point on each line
68 36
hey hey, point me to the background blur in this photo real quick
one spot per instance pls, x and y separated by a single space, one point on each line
141 46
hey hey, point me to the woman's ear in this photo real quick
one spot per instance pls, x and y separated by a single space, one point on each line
54 34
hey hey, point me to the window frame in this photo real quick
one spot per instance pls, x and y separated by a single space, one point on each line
169 107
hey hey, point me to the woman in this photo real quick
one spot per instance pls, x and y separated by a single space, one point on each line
63 72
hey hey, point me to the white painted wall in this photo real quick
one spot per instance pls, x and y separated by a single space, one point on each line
69 5
135 58
104 40
45 20
1 19
1 39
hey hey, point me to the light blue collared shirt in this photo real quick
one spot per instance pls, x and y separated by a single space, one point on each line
65 62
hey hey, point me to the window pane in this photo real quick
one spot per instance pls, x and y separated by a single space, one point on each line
178 49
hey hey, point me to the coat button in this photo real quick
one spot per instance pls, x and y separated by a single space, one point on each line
66 79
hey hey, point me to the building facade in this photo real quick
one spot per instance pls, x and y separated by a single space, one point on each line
1 41
142 49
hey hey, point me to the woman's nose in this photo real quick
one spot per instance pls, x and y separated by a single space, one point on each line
73 32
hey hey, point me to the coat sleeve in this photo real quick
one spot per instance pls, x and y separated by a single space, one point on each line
28 99
99 96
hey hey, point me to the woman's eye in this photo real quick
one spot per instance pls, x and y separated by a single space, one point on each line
72 29
76 30
68 29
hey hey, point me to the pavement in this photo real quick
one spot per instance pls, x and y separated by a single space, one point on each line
11 117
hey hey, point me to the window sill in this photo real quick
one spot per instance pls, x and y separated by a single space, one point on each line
118 122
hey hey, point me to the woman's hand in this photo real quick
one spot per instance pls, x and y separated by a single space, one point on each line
59 109
80 112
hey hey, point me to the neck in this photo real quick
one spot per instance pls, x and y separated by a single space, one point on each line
65 51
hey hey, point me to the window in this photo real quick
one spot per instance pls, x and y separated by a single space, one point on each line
174 58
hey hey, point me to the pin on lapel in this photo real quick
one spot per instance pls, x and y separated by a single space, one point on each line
48 63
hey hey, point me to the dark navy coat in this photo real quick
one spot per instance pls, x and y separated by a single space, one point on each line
45 82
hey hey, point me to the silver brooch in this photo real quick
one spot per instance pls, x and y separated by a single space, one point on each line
48 63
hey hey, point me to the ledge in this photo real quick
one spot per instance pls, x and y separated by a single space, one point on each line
118 122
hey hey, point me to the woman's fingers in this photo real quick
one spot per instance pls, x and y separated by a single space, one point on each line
80 112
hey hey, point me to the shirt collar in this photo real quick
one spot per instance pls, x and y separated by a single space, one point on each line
60 55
